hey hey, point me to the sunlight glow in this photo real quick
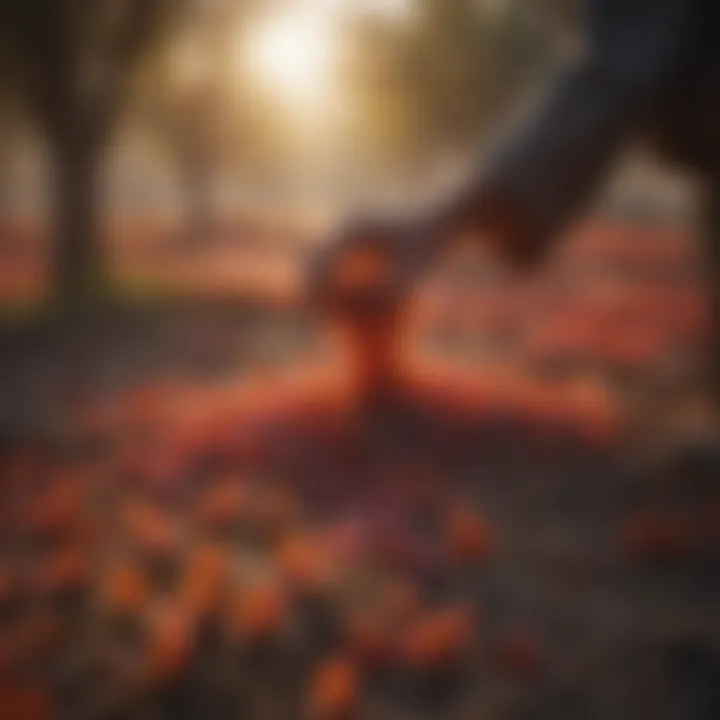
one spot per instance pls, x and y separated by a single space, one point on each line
393 10
294 55
397 10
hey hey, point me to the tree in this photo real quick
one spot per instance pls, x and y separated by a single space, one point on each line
183 101
75 60
435 86
10 125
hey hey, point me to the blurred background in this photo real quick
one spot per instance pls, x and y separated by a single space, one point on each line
208 126
196 518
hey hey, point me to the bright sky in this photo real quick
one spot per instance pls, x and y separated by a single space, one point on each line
391 9
293 53
294 49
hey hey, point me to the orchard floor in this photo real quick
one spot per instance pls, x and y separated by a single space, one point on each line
186 534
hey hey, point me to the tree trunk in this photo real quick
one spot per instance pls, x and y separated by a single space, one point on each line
712 231
199 210
77 258
199 219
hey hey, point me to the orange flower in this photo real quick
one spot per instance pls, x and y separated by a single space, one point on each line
369 637
259 612
468 537
222 504
656 535
400 602
41 634
438 638
170 641
125 589
334 691
57 508
152 530
8 584
65 570
304 563
519 655
275 509
205 576
24 703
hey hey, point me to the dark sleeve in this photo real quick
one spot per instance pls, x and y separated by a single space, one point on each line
545 173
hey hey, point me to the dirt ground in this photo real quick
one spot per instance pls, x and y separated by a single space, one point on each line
189 534
200 519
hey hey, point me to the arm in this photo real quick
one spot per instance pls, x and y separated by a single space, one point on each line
544 175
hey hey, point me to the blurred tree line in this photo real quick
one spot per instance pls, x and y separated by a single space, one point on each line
414 89
439 85
70 63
